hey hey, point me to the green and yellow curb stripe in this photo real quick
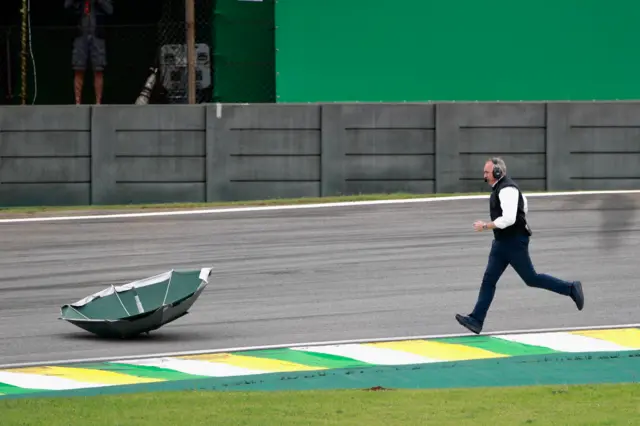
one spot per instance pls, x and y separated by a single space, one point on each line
141 371
268 365
318 358
499 346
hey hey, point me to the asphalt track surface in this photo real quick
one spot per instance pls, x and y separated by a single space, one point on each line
311 275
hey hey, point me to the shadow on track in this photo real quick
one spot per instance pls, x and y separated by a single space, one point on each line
158 336
616 211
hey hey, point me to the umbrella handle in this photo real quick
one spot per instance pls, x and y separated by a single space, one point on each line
138 301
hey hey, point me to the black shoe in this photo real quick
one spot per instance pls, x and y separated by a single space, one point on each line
470 323
577 295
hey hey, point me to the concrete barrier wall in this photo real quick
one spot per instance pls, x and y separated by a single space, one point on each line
45 156
70 155
148 155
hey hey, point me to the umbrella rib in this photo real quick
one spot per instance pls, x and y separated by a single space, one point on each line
166 293
118 296
78 312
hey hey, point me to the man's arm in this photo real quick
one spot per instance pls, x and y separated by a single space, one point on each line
509 202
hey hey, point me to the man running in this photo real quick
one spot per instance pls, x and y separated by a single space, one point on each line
508 211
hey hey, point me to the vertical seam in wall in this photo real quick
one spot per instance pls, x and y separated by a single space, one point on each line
435 147
205 111
91 181
320 143
546 146
1 143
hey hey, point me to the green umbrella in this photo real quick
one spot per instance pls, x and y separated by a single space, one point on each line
138 307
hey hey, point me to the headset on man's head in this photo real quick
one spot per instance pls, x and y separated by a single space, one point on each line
497 170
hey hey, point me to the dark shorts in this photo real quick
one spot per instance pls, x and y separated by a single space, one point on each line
85 48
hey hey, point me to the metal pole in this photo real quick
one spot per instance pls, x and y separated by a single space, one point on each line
191 50
23 54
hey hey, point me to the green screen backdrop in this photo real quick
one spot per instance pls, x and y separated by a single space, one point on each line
243 36
457 50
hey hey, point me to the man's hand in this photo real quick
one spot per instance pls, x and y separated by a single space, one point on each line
479 225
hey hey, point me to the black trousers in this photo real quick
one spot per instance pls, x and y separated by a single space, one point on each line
513 251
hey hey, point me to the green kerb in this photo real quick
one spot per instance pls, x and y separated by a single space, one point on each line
6 389
496 345
310 359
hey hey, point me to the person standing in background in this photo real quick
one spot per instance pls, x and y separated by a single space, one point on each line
89 43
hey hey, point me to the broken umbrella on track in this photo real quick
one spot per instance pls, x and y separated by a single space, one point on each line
138 307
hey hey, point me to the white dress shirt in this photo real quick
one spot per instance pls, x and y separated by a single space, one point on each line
509 202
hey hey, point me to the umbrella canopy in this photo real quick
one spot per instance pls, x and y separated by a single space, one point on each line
138 307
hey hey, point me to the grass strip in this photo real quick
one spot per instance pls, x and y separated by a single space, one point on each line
247 203
541 405
32 210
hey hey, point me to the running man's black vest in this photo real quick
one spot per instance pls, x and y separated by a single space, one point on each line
495 211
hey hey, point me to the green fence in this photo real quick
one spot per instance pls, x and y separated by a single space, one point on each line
243 34
421 50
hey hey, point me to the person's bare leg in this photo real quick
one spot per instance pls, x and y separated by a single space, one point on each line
78 81
98 82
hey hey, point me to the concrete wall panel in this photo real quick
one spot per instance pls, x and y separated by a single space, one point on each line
386 147
603 114
389 167
41 143
355 187
260 190
71 155
45 118
599 142
605 139
45 170
167 143
45 194
161 169
259 149
500 115
501 141
390 142
333 149
471 133
609 165
269 117
276 142
154 143
275 168
151 193
45 155
387 116
154 118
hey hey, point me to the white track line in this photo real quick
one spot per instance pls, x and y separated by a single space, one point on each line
306 344
299 206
